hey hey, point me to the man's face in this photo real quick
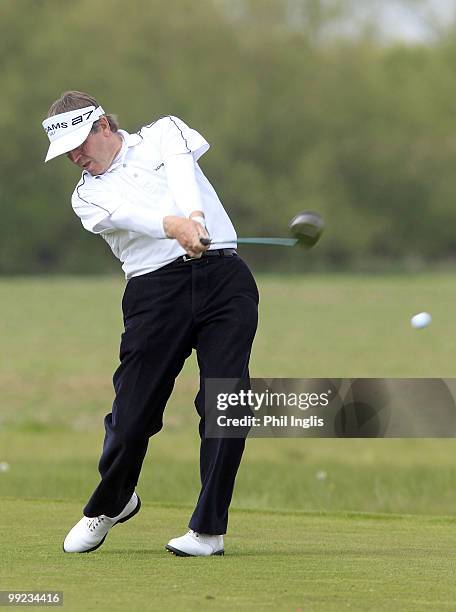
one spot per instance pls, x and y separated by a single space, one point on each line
97 151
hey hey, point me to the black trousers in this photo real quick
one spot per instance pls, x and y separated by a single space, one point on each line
210 304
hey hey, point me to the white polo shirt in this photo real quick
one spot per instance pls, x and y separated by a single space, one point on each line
137 179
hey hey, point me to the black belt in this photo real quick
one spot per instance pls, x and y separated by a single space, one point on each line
210 253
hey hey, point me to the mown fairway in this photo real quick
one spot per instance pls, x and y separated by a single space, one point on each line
316 524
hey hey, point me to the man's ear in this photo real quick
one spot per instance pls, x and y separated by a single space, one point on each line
104 125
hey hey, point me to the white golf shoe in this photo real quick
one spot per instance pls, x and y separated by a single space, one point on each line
194 544
90 533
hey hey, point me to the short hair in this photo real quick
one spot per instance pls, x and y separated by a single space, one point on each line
71 100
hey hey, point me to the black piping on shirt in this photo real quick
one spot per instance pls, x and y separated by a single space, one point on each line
149 125
186 143
171 119
80 184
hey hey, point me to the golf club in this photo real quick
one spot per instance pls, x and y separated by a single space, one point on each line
306 228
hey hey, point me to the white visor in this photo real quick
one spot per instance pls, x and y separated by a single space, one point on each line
67 131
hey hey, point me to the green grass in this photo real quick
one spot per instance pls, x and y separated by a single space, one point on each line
295 540
283 561
410 476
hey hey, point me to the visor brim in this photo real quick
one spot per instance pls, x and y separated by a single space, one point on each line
68 142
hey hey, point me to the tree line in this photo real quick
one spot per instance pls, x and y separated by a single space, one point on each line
357 129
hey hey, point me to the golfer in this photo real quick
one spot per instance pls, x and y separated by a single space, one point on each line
147 197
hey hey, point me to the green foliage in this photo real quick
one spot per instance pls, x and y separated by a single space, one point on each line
298 118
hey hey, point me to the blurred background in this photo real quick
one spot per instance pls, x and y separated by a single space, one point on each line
342 106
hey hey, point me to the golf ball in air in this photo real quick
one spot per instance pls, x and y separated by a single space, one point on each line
420 320
4 467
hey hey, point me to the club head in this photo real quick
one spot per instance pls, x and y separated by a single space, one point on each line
307 227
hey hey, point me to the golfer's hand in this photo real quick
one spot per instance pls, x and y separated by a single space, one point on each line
188 233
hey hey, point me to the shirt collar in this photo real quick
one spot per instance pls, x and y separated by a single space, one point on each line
128 140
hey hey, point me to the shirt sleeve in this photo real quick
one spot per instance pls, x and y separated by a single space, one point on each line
182 183
93 205
177 137
104 211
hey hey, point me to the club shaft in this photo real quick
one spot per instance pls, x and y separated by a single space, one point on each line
288 242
